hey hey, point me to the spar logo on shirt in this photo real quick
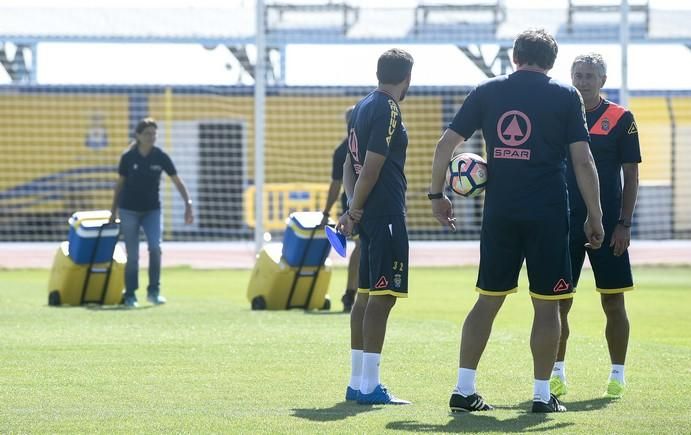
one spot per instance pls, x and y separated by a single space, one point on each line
513 129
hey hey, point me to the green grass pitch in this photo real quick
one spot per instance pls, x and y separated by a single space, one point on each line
206 363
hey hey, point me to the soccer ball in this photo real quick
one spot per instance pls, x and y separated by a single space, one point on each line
467 174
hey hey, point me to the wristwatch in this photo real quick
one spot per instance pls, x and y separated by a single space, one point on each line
439 195
624 223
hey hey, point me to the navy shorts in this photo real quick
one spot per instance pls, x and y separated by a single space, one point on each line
542 243
612 274
383 256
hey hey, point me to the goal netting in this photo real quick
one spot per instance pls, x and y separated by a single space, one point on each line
62 137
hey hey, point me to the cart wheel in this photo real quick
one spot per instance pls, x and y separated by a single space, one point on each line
327 305
258 303
54 298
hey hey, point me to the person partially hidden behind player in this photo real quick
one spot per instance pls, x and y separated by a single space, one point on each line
376 186
530 123
337 162
614 145
136 200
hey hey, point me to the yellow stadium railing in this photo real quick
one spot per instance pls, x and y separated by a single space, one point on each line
282 199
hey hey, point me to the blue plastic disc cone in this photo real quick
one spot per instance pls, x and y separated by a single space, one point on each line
337 240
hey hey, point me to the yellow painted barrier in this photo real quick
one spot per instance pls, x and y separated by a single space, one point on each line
282 199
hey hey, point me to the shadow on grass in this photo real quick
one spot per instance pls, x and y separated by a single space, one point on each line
102 308
339 411
486 422
482 422
110 308
326 313
588 405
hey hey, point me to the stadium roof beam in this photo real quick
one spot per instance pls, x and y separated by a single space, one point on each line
287 21
275 74
488 68
424 11
240 53
480 19
19 69
458 22
594 8
343 16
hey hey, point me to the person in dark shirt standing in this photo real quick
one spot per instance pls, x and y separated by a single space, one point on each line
615 146
136 201
337 162
376 186
530 123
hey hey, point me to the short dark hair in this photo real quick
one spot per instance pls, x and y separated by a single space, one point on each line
537 47
144 124
394 66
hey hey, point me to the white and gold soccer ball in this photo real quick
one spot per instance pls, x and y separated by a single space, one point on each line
466 174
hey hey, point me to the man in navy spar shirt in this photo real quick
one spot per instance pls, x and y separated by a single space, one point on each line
530 123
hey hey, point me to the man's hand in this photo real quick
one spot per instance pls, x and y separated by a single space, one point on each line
325 219
621 239
189 216
594 233
345 225
442 209
348 220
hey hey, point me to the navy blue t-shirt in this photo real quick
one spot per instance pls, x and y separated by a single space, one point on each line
528 120
337 162
613 141
376 125
142 178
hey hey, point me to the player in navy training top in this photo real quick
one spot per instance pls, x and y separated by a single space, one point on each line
529 122
614 144
338 160
376 186
136 200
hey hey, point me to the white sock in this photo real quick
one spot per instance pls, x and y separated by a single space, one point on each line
617 373
355 368
370 372
559 370
466 382
541 390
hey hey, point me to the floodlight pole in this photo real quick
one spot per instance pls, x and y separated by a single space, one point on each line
624 42
259 124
